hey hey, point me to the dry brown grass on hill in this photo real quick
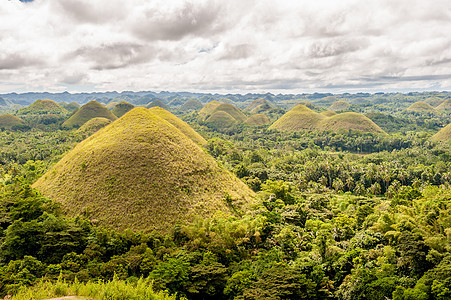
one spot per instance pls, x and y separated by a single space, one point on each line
298 118
349 120
42 107
93 125
339 105
420 106
142 173
443 135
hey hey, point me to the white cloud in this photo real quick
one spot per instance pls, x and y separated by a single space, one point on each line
238 45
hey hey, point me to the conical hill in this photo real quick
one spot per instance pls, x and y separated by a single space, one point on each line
122 108
192 104
339 105
298 118
72 107
443 135
92 109
328 113
93 125
257 120
349 120
258 106
209 108
157 103
221 119
7 121
179 124
43 107
141 172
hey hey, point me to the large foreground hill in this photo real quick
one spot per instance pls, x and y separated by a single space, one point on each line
143 173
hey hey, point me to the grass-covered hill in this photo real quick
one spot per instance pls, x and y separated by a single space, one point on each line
328 113
298 118
179 124
192 104
122 108
93 125
349 120
420 106
157 103
443 135
445 106
434 101
7 121
72 106
209 108
221 119
142 173
258 106
302 118
257 120
339 105
43 107
92 109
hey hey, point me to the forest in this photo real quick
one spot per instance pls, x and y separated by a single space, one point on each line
338 213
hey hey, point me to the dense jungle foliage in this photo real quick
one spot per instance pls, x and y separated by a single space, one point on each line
340 215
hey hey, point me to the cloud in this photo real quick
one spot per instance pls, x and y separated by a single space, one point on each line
248 45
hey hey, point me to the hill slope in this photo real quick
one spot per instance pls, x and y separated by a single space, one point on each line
157 103
192 104
142 173
443 135
298 118
258 106
43 107
179 124
93 125
8 121
257 120
72 107
208 109
122 108
92 109
221 119
445 106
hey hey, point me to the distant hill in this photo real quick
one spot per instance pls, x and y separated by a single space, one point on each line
208 109
142 173
43 107
157 103
349 120
443 135
221 115
3 102
298 118
110 105
302 118
257 120
259 106
179 124
445 106
92 109
7 121
307 104
231 110
122 108
93 125
71 107
339 105
192 104
420 106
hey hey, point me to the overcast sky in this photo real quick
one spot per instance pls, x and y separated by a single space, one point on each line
225 46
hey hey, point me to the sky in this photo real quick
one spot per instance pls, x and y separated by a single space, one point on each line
234 46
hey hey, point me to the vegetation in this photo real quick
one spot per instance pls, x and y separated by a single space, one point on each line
8 121
192 105
157 103
259 106
337 214
71 107
445 106
92 109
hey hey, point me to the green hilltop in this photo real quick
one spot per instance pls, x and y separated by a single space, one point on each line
257 120
157 103
179 124
434 101
259 106
71 107
221 115
43 107
209 108
443 135
328 113
93 125
7 121
302 118
142 173
339 105
122 108
92 109
221 119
